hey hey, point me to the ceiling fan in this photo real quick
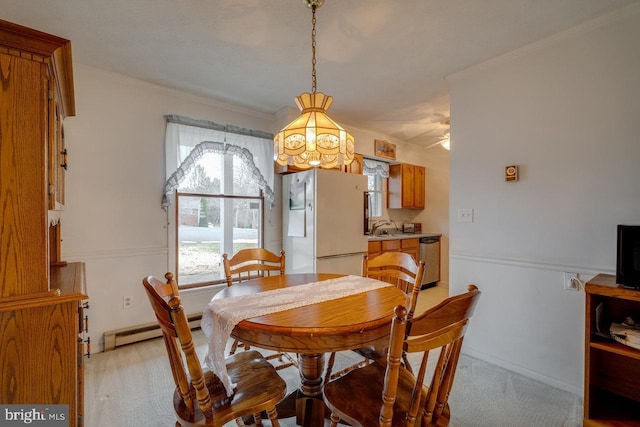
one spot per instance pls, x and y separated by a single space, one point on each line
443 140
440 126
418 127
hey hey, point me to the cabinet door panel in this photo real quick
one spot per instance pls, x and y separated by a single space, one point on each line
23 179
391 245
408 185
374 247
419 188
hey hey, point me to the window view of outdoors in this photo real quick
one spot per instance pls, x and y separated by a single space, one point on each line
215 217
375 195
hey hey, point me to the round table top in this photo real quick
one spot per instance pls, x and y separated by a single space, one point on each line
341 324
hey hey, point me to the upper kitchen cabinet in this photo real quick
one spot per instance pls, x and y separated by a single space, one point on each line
35 96
356 166
285 169
406 186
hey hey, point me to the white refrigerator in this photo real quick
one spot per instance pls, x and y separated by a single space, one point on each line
323 221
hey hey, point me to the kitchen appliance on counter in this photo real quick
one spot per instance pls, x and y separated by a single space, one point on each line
430 254
412 227
323 221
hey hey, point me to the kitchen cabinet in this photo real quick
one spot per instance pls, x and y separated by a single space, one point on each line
406 186
286 169
41 296
410 246
612 370
356 166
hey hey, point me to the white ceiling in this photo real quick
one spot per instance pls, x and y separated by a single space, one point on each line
383 61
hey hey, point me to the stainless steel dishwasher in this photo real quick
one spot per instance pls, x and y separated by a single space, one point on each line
430 254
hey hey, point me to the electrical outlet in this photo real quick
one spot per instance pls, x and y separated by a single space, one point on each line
571 281
465 215
126 302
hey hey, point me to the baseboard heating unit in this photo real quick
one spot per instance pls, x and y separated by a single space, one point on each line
133 334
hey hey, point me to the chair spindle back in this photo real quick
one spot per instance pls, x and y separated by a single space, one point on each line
250 263
441 327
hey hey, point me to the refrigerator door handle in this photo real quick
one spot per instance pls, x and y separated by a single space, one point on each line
367 197
341 255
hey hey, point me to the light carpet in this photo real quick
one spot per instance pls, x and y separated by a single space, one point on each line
133 386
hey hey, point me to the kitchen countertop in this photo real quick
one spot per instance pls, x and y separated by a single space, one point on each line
400 235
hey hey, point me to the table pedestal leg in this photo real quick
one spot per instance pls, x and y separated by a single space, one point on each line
310 408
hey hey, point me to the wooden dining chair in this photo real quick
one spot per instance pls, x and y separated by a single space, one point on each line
379 395
247 264
250 263
399 269
200 398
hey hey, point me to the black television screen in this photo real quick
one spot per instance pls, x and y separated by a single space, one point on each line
628 256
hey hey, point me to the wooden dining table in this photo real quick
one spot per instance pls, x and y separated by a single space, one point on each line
312 330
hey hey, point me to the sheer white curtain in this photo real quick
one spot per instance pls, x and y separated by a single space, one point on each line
186 140
376 167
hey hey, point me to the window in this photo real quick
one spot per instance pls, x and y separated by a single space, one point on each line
376 172
219 191
375 195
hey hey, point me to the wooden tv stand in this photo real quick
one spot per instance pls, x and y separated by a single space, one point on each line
612 370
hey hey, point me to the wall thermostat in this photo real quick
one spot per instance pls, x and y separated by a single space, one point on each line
511 173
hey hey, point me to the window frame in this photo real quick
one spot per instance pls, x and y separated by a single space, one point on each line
378 182
176 257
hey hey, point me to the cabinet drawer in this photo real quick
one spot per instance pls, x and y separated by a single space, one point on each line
391 245
375 247
410 243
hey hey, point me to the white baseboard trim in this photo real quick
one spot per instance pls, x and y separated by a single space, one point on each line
578 391
138 333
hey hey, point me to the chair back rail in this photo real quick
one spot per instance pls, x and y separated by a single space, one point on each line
399 269
441 327
390 394
254 262
200 398
251 263
165 301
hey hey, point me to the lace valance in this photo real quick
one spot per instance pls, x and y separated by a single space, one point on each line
187 140
376 167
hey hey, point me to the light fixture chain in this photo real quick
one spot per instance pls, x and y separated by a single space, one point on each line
313 47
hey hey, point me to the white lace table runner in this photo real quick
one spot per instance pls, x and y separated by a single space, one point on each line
222 315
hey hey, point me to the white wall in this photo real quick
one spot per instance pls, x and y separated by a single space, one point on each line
113 220
566 111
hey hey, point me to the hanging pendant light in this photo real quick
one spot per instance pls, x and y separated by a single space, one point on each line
313 139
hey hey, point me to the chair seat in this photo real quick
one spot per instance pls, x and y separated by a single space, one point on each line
257 382
373 353
358 394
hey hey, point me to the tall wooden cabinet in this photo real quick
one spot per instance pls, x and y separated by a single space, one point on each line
406 186
612 370
41 297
